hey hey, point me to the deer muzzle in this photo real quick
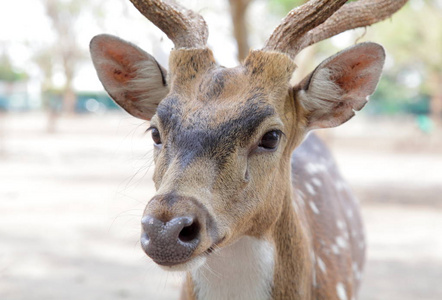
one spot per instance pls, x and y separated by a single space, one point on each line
172 242
176 229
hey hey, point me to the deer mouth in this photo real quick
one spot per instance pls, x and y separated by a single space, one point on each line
192 263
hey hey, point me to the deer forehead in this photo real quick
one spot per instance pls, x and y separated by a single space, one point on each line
194 74
208 95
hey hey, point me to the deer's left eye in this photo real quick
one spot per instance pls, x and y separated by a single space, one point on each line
156 137
270 140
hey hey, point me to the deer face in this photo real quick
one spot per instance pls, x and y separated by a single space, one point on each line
223 137
218 152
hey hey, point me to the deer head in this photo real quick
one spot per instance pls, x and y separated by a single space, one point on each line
223 136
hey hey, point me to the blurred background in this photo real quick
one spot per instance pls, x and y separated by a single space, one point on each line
75 171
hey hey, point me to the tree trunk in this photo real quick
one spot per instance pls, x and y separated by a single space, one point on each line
69 99
238 9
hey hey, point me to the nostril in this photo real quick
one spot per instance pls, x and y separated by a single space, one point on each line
189 233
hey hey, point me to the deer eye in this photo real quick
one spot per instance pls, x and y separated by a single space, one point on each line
156 136
270 140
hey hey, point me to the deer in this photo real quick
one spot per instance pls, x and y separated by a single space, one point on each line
249 203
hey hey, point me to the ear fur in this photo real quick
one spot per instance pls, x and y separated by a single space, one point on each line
132 77
340 85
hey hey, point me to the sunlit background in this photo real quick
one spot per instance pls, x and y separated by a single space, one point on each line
75 171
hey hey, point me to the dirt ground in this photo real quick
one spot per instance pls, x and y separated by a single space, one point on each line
70 206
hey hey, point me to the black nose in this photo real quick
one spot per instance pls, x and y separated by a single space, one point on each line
171 242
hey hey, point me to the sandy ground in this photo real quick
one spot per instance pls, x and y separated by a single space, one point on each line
70 205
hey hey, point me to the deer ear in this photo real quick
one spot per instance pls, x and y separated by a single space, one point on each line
132 77
341 85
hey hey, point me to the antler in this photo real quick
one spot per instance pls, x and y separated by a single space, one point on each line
298 22
330 22
352 15
184 27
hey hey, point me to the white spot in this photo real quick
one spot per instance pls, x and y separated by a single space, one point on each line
339 185
340 290
316 181
340 224
335 249
310 189
341 242
301 198
314 207
295 206
356 271
355 267
313 168
314 278
322 266
349 213
312 254
361 244
301 194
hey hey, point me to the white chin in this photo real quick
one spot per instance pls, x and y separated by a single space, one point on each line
190 265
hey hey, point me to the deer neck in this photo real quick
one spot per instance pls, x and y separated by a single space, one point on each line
272 267
293 266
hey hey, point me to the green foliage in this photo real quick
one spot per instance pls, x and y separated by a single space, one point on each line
415 36
7 72
413 41
282 7
392 97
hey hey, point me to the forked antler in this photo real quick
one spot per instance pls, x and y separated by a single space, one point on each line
352 15
185 28
317 20
298 22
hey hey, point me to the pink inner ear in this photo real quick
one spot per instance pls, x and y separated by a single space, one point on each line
342 84
131 76
357 72
354 77
357 76
121 74
116 57
122 69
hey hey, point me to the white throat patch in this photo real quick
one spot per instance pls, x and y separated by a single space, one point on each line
243 271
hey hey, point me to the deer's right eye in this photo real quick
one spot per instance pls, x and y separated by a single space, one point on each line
156 137
270 140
